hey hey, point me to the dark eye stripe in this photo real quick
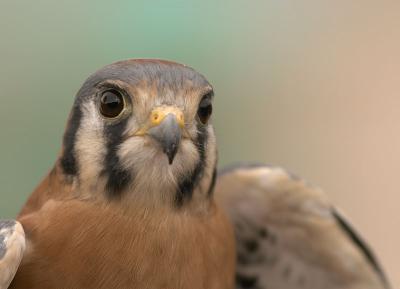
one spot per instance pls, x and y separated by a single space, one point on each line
68 159
117 177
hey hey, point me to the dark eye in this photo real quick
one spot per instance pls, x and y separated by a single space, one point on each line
111 103
205 109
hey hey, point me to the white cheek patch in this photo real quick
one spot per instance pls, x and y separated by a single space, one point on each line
136 152
152 174
90 144
186 159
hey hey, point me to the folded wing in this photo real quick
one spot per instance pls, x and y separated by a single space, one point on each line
289 236
12 247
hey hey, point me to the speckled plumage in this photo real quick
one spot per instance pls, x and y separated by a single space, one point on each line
290 236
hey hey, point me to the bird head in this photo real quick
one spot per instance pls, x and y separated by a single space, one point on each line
141 129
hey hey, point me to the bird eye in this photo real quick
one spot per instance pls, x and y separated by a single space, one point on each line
111 103
205 109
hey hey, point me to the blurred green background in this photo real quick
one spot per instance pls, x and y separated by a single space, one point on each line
309 85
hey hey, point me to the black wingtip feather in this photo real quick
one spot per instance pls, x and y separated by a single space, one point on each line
361 244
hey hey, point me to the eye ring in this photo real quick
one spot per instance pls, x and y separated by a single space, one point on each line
205 109
112 103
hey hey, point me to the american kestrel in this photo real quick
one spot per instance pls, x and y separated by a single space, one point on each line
130 202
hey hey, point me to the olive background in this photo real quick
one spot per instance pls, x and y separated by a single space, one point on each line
309 85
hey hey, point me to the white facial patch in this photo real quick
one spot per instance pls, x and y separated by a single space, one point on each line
152 174
90 145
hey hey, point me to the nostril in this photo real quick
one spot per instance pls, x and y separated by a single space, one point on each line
155 116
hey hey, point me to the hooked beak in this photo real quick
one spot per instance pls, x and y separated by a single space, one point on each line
168 134
165 125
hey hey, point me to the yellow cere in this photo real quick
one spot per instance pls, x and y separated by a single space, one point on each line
158 115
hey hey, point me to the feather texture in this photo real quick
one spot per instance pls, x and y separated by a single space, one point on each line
87 244
115 212
12 247
289 236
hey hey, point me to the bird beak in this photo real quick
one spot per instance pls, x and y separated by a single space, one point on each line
168 134
165 127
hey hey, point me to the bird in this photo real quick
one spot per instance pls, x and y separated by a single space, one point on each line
128 203
135 200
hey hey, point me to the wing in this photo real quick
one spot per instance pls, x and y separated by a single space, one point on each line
289 236
12 247
362 245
